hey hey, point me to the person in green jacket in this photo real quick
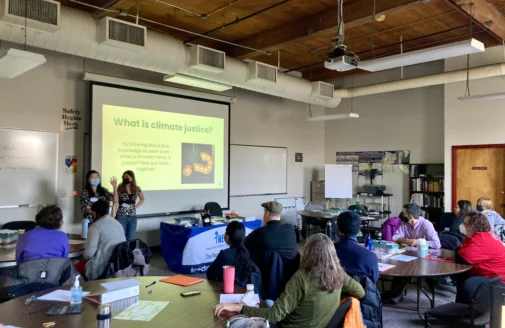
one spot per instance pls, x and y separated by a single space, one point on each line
312 295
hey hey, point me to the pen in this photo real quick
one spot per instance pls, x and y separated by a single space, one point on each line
153 283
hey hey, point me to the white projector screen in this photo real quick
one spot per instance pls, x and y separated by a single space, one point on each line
177 146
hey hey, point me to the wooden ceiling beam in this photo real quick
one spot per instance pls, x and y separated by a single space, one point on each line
356 13
483 14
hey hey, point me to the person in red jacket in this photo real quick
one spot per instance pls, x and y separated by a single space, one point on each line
482 249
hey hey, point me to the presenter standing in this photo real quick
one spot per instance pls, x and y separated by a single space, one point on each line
93 191
128 192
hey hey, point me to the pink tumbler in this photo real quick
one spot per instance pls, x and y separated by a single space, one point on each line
229 279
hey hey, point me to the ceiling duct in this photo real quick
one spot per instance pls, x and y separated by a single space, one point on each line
322 90
207 59
121 34
41 15
162 54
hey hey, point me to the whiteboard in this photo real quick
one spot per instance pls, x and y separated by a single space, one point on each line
258 170
28 167
337 181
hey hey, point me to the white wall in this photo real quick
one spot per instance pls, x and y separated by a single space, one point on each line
472 123
404 120
34 101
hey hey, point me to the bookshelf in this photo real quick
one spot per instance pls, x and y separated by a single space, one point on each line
426 188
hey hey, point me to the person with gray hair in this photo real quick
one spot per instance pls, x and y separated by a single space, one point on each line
414 227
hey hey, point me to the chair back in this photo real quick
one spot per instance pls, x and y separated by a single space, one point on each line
482 296
123 257
314 207
20 225
445 221
337 321
448 241
213 208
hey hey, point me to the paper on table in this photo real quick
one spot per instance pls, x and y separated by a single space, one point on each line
143 311
58 295
121 284
234 298
404 258
383 267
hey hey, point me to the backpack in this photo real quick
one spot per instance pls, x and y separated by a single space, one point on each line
122 257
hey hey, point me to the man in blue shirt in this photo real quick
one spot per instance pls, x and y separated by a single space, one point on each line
354 258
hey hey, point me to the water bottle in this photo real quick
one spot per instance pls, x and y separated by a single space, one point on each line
103 316
85 224
358 208
379 235
249 299
368 242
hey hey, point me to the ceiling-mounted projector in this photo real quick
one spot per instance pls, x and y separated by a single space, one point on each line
341 64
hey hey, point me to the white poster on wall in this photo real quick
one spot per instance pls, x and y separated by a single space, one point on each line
338 181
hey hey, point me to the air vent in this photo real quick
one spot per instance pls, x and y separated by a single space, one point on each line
42 15
120 34
207 59
262 74
322 90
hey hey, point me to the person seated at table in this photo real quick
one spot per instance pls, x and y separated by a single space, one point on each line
45 240
237 255
414 227
312 295
355 258
273 236
104 234
481 249
485 206
463 207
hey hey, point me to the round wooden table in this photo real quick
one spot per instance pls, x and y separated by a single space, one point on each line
422 268
8 252
196 311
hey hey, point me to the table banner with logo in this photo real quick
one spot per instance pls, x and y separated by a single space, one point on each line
193 249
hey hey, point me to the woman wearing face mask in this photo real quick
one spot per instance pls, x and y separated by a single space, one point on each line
93 191
126 214
485 206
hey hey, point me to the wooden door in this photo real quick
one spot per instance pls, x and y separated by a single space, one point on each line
480 172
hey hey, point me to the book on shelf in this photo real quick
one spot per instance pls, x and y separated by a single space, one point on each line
421 184
426 200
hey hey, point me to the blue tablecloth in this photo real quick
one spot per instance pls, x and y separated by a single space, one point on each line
193 249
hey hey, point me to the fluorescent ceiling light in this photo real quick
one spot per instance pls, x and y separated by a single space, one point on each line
16 62
332 117
490 96
423 56
195 82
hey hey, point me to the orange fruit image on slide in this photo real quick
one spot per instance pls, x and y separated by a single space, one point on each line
187 170
204 169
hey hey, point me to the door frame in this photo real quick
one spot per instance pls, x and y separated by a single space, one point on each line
455 165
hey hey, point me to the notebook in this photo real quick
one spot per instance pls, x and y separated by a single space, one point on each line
181 280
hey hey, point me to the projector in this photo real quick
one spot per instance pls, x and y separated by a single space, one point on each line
341 64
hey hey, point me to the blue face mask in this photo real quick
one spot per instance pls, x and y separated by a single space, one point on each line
480 208
95 182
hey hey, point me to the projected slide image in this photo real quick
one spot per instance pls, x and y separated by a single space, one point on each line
197 163
167 151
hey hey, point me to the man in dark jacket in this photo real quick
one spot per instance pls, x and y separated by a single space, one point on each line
354 258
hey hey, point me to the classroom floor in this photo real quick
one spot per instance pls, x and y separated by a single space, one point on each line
393 317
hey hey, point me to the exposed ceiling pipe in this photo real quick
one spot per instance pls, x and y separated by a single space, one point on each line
78 35
423 81
238 20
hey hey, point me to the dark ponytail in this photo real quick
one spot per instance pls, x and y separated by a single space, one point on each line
236 236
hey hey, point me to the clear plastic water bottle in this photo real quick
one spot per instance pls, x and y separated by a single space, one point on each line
85 224
358 208
249 299
379 235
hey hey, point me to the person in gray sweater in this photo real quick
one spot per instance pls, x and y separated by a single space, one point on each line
104 234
